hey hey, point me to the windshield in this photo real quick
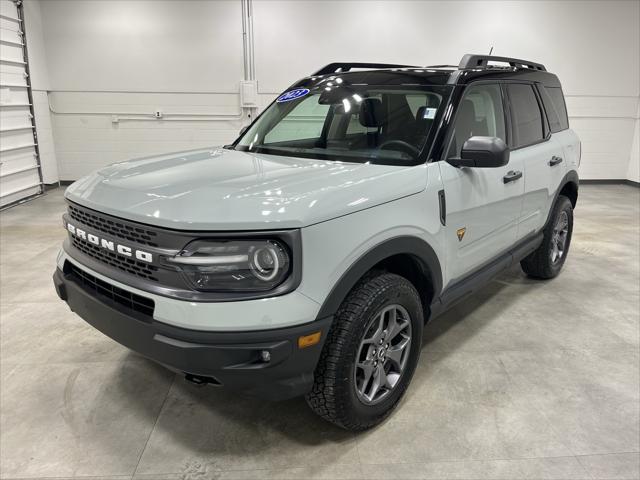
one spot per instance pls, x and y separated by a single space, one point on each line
351 123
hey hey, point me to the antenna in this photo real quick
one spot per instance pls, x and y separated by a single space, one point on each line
491 50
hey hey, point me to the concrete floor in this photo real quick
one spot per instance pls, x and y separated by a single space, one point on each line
525 380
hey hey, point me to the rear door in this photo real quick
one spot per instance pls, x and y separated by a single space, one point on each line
483 204
556 110
541 155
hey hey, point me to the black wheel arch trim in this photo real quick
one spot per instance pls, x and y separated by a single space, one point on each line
416 247
570 177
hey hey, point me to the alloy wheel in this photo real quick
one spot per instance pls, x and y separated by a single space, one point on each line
559 237
382 355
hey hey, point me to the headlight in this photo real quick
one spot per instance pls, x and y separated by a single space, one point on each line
234 265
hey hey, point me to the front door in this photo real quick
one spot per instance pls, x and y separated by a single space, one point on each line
483 204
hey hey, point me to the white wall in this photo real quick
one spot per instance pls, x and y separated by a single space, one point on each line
594 47
132 57
127 59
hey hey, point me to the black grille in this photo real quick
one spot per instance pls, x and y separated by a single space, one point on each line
103 289
115 228
129 265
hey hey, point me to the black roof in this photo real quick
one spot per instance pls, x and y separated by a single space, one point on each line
471 68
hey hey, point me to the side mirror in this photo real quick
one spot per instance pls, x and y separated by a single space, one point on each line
482 152
243 129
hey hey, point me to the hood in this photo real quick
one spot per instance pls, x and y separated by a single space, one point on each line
219 189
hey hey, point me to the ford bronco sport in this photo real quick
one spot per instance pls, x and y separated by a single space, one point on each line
306 257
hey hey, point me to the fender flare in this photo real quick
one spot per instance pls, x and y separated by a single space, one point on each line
570 177
416 247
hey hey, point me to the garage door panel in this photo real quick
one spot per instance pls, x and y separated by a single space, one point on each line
13 138
14 95
7 24
14 79
10 35
17 160
7 7
11 52
12 70
18 176
14 117
17 195
14 180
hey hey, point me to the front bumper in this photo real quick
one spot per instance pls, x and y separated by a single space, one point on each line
230 359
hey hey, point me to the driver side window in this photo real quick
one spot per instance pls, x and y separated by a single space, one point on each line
480 113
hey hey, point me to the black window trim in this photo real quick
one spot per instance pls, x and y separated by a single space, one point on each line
506 106
543 114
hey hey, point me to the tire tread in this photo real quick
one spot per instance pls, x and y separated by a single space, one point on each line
328 396
537 265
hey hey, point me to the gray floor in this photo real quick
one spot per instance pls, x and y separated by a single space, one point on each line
525 380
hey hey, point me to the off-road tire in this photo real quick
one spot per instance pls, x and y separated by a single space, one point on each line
539 264
333 395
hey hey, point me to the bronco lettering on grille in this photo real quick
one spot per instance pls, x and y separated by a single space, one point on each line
110 245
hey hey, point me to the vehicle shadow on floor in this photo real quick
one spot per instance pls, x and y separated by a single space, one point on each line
218 423
462 312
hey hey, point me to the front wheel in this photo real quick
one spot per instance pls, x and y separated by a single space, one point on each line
370 354
547 261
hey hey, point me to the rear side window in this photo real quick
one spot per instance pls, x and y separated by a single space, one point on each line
553 100
526 117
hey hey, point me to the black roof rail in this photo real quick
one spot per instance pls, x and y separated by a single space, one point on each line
346 66
474 61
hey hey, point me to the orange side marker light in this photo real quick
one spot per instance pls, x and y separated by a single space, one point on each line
309 340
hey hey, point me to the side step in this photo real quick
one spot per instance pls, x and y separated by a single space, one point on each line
483 275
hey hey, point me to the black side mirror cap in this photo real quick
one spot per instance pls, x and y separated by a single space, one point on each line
482 152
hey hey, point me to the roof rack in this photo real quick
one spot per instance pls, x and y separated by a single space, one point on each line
346 66
474 61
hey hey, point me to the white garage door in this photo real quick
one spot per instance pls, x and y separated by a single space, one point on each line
20 175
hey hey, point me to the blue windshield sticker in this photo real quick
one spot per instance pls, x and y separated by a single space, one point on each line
292 95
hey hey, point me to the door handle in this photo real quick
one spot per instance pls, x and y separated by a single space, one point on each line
555 160
512 176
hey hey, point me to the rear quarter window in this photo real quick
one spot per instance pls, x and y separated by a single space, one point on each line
554 104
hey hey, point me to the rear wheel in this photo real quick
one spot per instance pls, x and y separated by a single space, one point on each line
370 354
547 261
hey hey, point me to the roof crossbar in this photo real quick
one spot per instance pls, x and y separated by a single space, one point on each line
474 61
346 66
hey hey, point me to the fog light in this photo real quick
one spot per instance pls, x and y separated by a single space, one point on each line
265 356
309 340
